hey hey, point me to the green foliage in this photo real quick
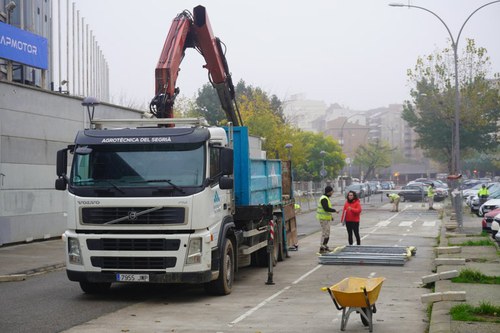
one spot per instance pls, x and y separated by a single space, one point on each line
207 105
372 156
263 115
483 242
484 312
431 113
474 276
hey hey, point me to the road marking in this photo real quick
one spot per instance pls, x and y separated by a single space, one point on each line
383 223
429 223
406 223
270 298
307 274
261 304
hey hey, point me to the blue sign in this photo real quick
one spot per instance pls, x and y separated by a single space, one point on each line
23 46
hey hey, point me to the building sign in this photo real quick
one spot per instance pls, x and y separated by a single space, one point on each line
23 46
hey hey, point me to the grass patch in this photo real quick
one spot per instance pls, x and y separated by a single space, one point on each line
474 276
484 312
482 242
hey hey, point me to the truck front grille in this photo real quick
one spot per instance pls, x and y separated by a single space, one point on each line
139 263
133 215
127 244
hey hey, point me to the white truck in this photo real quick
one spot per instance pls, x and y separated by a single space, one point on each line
172 200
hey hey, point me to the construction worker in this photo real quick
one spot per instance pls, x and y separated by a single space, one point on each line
430 196
483 194
394 197
324 216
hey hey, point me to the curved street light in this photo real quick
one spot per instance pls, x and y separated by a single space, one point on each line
455 156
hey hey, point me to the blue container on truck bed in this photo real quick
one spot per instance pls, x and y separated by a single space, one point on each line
256 181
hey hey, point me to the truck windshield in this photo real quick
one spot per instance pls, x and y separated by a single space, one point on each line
117 166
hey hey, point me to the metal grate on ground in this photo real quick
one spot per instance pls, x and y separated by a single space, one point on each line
368 255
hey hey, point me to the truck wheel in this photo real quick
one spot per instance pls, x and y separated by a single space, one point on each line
94 287
224 283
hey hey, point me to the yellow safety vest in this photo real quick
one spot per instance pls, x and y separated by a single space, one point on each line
483 191
322 214
430 192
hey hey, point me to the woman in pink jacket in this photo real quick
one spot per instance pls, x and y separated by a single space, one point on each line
350 216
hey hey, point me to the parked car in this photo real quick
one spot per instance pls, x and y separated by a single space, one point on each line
385 185
488 206
488 219
412 192
375 186
357 188
439 193
476 202
471 191
495 226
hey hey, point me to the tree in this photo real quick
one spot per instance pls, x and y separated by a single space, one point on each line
372 156
207 105
263 115
431 114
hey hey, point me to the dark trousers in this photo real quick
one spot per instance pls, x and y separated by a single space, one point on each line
353 227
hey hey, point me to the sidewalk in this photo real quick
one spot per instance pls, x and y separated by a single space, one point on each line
484 259
18 262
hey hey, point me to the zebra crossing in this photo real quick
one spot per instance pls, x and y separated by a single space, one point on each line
406 224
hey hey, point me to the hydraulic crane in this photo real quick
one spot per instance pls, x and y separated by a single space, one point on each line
193 31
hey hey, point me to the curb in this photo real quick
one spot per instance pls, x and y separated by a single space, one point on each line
21 276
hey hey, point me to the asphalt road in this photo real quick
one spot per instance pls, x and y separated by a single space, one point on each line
294 303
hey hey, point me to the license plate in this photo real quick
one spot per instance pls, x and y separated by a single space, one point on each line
132 277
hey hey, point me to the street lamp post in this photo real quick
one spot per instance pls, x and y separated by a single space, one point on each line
10 8
322 172
455 156
289 146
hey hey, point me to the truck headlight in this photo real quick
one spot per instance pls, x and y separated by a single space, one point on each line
74 252
194 251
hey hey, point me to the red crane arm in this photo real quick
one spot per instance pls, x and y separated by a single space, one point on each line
195 32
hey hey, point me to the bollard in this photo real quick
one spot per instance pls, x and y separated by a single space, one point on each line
270 250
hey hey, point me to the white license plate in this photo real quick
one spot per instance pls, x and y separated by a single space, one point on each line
132 277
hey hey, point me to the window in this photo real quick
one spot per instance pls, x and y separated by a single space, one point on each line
214 162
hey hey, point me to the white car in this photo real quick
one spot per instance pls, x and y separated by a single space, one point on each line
495 226
488 206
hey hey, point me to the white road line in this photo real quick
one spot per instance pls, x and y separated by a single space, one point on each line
261 304
429 223
383 223
270 298
307 274
405 223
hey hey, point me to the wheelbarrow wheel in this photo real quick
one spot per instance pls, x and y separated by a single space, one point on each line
363 319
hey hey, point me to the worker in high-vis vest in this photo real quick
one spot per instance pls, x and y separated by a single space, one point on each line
394 198
430 196
483 194
324 216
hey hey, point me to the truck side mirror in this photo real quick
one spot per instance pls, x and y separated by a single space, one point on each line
62 162
226 161
225 183
61 169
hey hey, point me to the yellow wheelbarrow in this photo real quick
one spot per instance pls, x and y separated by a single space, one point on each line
356 294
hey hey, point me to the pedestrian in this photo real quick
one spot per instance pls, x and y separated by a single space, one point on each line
324 216
430 196
350 216
394 197
483 194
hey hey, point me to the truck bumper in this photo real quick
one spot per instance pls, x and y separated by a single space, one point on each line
194 278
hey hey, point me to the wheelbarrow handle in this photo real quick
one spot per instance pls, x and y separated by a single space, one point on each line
366 297
333 299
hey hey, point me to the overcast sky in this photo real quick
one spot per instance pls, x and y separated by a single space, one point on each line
352 52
